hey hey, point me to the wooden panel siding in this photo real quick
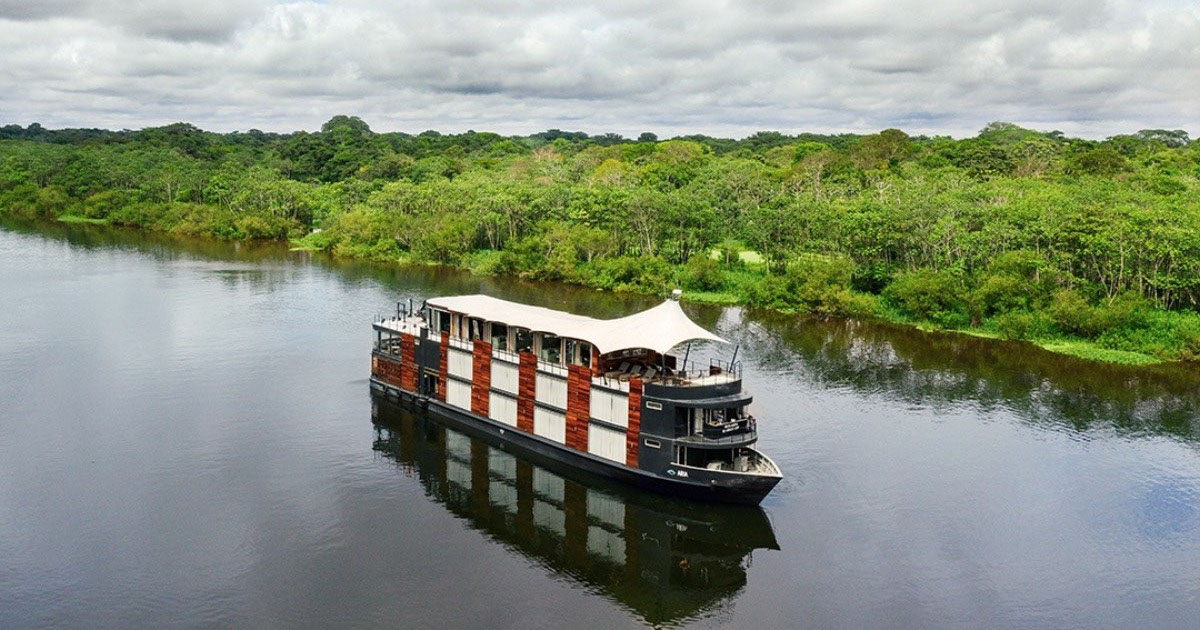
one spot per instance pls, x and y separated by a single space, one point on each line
443 368
526 390
633 432
481 377
387 371
579 388
408 362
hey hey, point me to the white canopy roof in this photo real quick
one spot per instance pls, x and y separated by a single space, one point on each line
659 329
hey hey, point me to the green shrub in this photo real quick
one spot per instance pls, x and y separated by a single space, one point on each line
445 239
929 295
366 234
629 273
1014 281
51 201
1073 315
253 227
1018 325
103 203
702 273
870 278
1001 293
729 252
143 214
812 284
769 291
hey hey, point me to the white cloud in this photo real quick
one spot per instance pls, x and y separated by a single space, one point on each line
1086 67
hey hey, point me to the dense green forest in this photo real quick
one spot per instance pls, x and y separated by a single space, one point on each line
1088 247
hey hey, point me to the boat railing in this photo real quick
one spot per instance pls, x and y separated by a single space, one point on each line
389 346
732 439
718 430
556 369
462 344
506 355
611 382
690 374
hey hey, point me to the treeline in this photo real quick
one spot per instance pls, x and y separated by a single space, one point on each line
1018 232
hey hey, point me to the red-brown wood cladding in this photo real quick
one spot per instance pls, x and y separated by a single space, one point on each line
387 370
408 362
444 366
579 390
481 377
634 431
526 390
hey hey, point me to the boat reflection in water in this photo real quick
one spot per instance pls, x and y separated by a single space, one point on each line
667 560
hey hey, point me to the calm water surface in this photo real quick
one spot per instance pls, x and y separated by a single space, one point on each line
187 439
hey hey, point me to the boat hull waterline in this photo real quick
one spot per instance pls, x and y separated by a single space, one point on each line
701 485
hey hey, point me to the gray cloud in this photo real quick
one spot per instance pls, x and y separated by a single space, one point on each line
1088 67
209 20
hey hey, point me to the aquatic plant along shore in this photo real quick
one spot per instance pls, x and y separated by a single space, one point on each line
1089 248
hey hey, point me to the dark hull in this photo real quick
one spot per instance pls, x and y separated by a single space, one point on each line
745 490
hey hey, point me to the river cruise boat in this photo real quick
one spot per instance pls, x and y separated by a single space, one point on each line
604 396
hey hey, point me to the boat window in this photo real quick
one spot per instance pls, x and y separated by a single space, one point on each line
440 321
458 327
524 340
476 328
652 443
578 352
499 336
551 349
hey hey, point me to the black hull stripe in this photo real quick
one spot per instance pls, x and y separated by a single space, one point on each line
748 490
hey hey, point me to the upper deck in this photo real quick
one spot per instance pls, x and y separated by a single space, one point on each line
612 373
615 351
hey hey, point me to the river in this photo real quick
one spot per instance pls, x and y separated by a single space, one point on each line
187 438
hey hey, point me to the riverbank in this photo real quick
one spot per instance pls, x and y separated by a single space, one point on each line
735 287
819 286
813 286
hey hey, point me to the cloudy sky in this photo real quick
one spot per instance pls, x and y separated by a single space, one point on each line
1087 67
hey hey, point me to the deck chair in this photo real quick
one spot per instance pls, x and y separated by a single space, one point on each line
637 370
617 372
649 375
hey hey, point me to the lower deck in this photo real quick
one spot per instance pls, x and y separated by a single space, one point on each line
662 428
704 484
